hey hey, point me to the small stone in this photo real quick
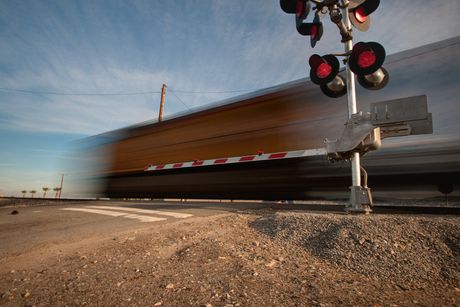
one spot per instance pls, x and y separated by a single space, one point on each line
170 286
157 304
202 289
27 294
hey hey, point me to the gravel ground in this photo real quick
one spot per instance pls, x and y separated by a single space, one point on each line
251 258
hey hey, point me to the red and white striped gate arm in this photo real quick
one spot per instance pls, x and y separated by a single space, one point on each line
272 156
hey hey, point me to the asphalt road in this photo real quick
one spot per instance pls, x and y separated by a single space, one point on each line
56 225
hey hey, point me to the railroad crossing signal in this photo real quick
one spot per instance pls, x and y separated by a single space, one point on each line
324 72
359 13
301 8
313 29
365 61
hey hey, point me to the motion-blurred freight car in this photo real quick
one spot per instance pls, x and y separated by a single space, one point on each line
291 117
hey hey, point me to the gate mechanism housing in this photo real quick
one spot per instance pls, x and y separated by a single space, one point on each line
364 132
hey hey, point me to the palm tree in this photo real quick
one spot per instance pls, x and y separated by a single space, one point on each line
45 189
24 193
32 192
57 191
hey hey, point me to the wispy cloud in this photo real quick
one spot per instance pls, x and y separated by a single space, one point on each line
119 47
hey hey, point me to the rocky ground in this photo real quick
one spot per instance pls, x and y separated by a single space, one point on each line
251 258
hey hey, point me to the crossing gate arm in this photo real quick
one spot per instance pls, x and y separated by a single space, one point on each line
242 159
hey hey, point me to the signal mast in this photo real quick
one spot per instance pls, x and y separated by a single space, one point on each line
363 59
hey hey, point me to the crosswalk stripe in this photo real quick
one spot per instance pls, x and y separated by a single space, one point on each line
141 218
173 214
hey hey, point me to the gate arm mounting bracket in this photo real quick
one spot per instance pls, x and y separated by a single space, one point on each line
364 132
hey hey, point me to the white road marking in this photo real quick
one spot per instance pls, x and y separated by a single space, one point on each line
141 218
173 214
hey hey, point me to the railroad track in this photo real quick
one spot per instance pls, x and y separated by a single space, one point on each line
320 205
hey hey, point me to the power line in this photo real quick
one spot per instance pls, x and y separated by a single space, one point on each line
76 94
179 99
121 94
221 92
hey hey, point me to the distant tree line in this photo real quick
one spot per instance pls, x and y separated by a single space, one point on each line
24 192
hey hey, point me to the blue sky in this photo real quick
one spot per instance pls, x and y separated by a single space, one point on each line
204 51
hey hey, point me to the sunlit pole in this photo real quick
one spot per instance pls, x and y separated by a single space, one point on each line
160 116
352 108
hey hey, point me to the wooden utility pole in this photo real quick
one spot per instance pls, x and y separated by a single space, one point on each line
62 181
160 116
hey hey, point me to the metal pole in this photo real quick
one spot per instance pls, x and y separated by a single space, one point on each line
351 92
356 199
160 116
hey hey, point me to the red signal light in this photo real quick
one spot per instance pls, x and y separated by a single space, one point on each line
323 70
299 9
314 31
360 15
366 59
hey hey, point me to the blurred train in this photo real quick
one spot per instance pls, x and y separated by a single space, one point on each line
291 117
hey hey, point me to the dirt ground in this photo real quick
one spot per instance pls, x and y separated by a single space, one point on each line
222 260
